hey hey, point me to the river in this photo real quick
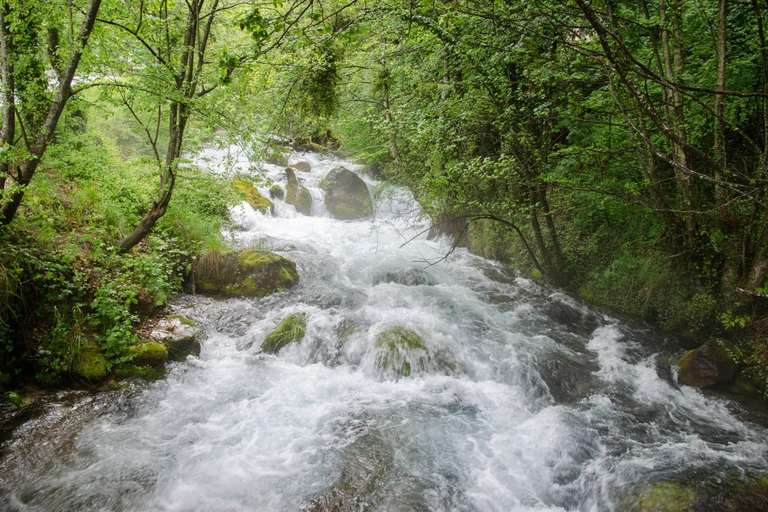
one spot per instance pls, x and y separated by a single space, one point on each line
525 398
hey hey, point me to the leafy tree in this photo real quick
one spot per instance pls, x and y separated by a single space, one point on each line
30 33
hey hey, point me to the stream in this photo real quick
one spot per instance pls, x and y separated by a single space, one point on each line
526 400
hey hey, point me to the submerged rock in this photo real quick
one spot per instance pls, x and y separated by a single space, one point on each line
252 196
276 192
409 277
397 343
180 336
246 273
90 363
292 328
301 166
346 195
709 365
296 195
666 497
367 463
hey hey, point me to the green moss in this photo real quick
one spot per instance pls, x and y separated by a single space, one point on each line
141 372
299 197
184 320
249 273
90 363
252 196
292 328
666 497
397 342
147 354
276 191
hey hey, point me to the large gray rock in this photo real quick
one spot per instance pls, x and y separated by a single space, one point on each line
346 195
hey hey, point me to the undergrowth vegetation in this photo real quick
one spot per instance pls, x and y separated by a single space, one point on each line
64 284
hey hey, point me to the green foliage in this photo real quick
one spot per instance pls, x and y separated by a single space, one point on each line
14 398
63 281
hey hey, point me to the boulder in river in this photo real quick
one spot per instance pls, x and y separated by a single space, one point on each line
709 365
277 159
276 192
246 273
407 277
346 195
150 353
397 344
301 166
252 196
297 195
180 336
368 474
292 328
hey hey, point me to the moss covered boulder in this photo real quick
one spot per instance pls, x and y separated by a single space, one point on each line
90 363
666 497
251 195
292 328
397 345
709 365
150 353
277 158
179 335
296 195
301 166
346 195
245 273
276 192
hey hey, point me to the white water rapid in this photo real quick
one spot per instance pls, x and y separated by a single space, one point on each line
525 399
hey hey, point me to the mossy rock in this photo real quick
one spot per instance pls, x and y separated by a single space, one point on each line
397 342
276 192
346 195
150 353
309 147
277 159
179 335
183 320
709 365
141 372
299 197
301 166
666 497
292 328
252 196
247 273
346 330
90 363
749 381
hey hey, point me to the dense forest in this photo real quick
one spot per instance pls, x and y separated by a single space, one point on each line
615 149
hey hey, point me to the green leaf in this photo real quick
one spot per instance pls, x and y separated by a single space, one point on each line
15 399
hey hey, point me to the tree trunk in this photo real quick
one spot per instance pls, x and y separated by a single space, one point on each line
8 131
674 66
39 145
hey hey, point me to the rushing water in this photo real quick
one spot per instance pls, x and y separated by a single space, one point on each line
525 399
